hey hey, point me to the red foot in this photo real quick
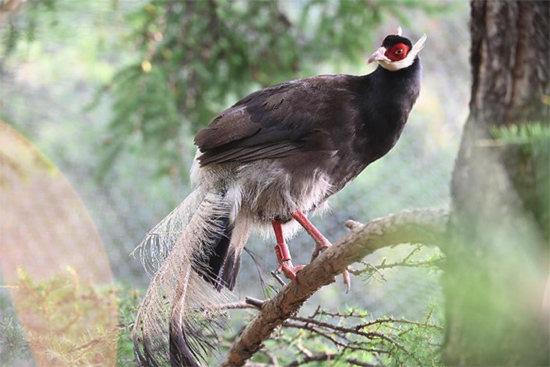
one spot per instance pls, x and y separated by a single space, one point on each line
318 250
289 270
283 255
321 243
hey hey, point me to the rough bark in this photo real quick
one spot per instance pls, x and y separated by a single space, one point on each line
497 261
418 226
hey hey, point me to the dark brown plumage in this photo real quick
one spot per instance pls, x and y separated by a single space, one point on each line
336 124
276 154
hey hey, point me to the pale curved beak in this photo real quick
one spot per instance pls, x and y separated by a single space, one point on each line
378 55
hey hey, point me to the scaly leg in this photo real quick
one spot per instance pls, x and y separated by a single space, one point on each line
320 241
283 254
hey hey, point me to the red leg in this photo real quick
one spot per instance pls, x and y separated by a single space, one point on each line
283 254
321 242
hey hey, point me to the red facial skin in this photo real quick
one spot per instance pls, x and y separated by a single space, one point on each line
397 52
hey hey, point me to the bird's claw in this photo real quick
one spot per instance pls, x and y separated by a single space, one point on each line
322 246
289 270
347 280
318 249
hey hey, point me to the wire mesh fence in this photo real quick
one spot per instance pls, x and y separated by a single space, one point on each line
131 200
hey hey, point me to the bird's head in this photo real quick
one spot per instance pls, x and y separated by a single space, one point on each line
397 52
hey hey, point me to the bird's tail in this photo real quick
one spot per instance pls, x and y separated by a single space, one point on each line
193 256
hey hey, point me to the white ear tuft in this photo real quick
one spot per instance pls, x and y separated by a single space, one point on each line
420 43
408 60
399 31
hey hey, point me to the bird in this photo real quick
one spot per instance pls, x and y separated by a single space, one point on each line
265 163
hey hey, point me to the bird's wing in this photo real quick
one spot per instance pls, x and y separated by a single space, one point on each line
276 122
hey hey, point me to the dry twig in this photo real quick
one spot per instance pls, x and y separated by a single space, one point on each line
425 226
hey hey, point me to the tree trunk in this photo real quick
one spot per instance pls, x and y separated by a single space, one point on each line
498 229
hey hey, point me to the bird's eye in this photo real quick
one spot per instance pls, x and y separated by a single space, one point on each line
397 52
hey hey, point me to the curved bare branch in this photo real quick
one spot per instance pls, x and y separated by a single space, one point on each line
426 226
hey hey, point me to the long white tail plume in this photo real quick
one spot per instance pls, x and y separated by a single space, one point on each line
174 324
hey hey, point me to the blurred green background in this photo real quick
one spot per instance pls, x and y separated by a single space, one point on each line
112 91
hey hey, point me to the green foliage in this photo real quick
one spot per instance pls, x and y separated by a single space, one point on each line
535 134
532 142
353 337
66 322
127 300
193 57
186 61
13 345
419 257
23 26
59 303
171 88
497 260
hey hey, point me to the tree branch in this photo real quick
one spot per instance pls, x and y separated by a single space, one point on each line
425 226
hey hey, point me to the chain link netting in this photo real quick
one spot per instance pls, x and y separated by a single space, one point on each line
131 200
